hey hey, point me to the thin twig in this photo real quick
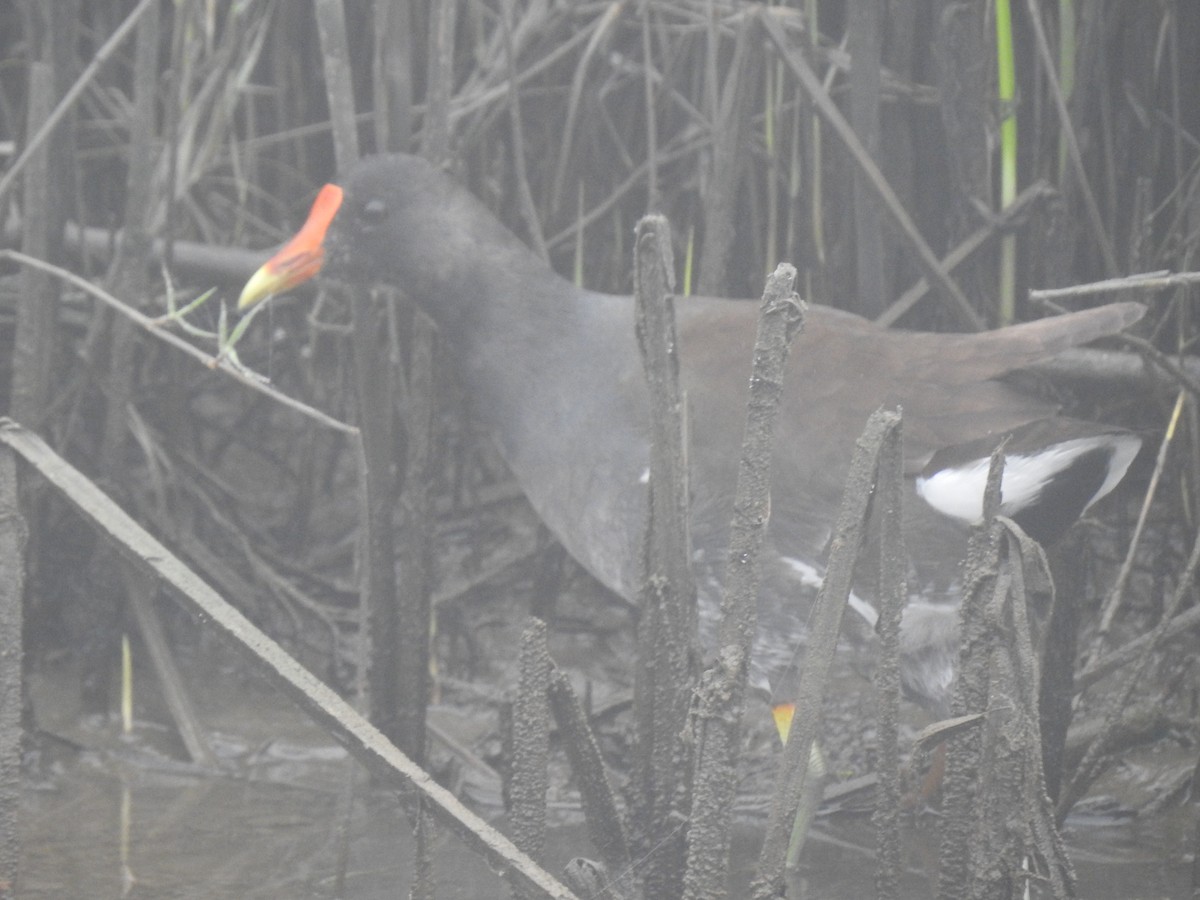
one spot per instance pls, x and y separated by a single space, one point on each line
253 381
1142 281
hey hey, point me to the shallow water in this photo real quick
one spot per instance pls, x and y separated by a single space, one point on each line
289 815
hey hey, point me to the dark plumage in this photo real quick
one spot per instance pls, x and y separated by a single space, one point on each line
554 371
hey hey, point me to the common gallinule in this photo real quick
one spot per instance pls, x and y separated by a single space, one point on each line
554 371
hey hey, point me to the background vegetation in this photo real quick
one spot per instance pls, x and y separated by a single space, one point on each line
1051 144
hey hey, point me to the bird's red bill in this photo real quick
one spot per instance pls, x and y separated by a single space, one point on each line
300 258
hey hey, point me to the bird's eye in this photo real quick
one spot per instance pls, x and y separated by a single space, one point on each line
374 213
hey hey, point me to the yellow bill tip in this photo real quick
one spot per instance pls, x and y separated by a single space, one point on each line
300 259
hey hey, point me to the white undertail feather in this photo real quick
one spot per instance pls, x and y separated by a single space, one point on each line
958 492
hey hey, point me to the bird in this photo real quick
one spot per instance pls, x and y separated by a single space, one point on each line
553 370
